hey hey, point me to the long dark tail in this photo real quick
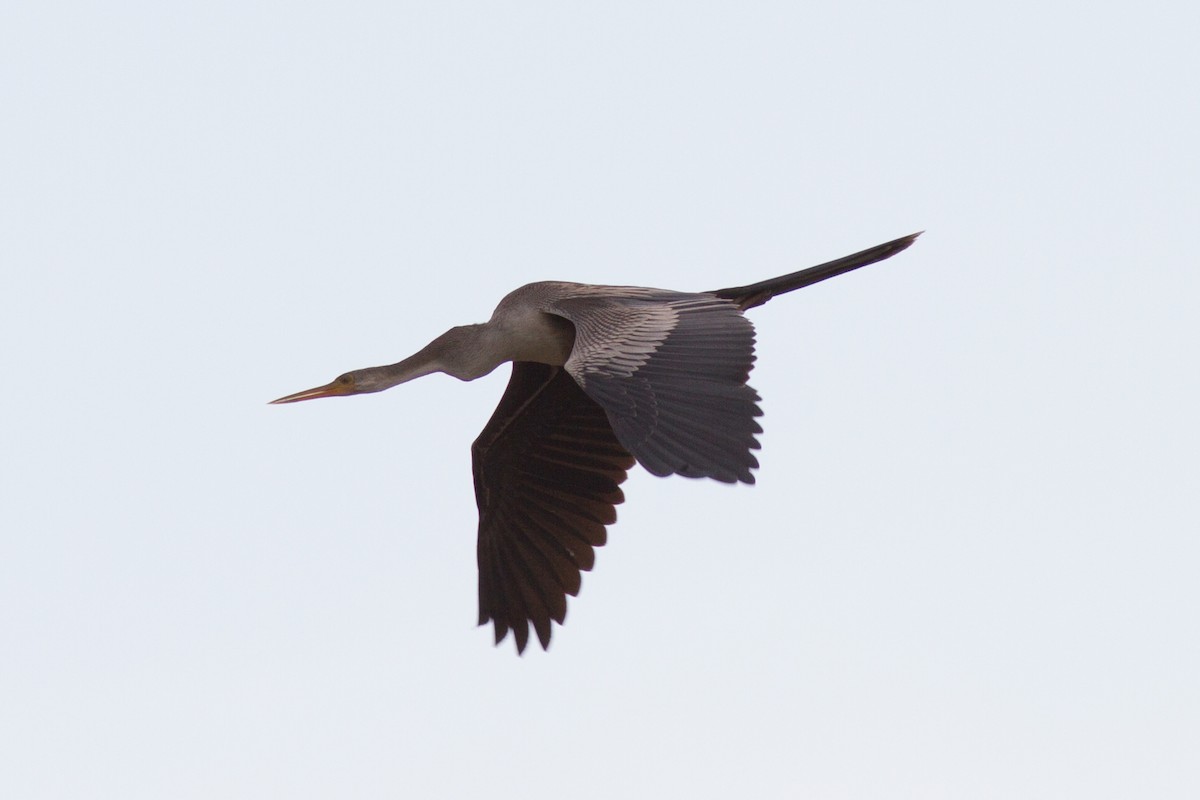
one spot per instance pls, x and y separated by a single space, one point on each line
758 293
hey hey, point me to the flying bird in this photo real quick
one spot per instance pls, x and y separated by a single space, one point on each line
603 377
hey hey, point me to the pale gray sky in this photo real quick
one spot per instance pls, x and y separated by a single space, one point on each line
968 570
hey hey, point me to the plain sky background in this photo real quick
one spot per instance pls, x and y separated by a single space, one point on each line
971 565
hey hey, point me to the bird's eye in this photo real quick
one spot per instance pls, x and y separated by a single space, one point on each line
345 380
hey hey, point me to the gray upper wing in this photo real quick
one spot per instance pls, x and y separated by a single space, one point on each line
670 370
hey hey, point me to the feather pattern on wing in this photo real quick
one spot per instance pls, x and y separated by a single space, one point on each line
670 370
548 472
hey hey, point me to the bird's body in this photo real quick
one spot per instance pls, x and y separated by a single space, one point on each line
603 377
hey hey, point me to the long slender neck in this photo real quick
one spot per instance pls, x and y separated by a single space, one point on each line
466 352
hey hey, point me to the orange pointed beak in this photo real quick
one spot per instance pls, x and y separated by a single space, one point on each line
335 389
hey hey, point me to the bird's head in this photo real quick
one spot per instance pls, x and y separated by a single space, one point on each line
466 352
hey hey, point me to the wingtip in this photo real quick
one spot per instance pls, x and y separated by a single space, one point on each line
544 640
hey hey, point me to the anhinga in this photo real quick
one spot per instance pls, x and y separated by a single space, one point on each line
603 376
